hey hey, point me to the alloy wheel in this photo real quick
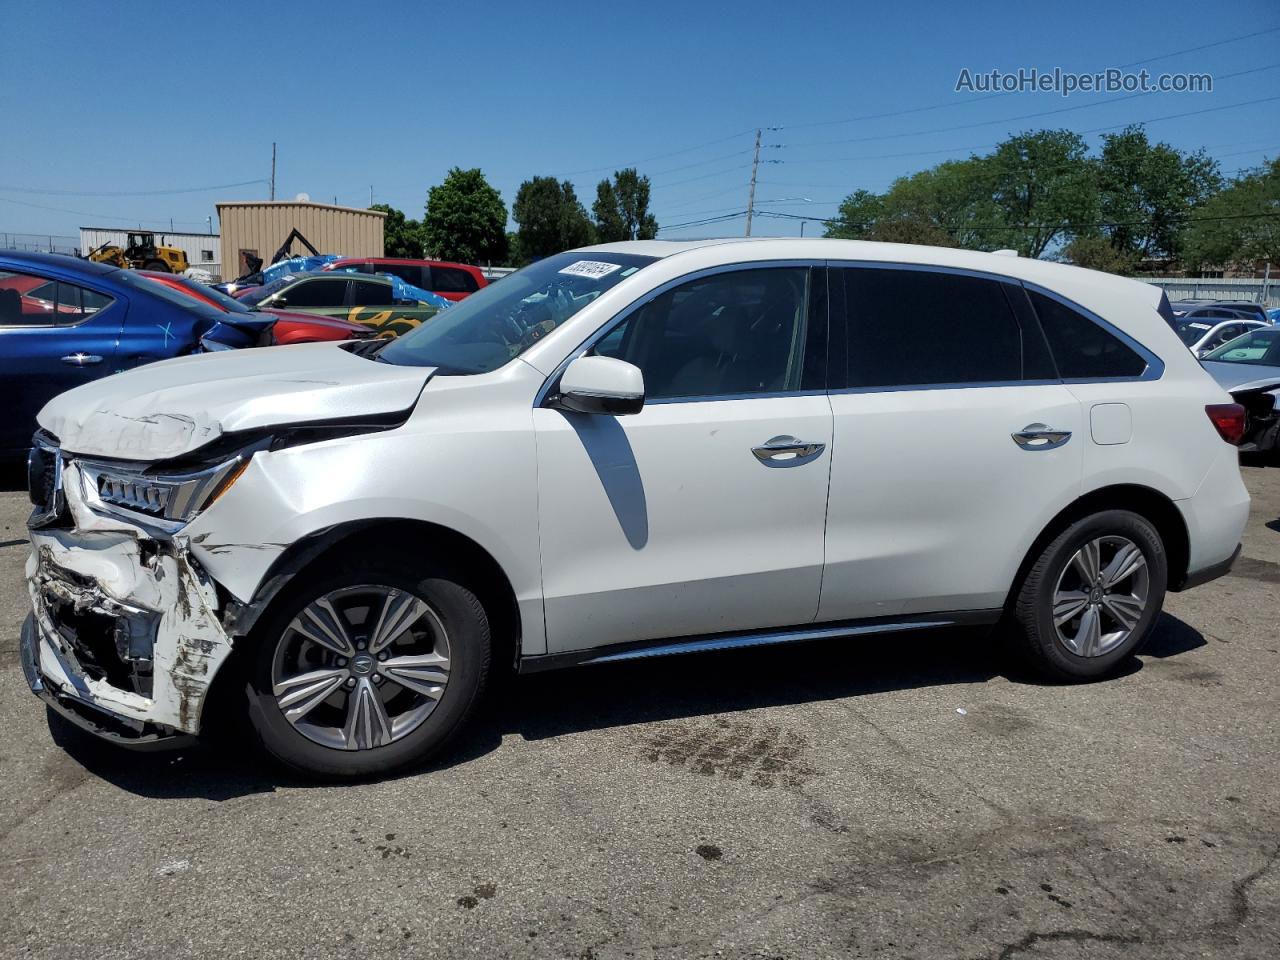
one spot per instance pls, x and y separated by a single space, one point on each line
1100 596
361 667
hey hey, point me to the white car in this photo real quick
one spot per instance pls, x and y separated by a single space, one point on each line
624 451
1203 334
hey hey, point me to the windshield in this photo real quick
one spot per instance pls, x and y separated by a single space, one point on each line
498 323
1189 331
1261 347
255 297
166 292
229 304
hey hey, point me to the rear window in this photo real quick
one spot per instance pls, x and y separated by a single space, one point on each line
452 280
1082 348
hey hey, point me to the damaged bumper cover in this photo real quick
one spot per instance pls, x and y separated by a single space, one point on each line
124 638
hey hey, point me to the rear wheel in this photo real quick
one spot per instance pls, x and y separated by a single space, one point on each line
368 669
1091 597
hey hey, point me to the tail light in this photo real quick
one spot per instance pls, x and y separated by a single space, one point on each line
1229 420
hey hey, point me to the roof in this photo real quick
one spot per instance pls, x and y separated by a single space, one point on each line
59 261
732 249
161 233
296 203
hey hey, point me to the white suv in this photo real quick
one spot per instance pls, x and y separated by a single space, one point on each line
623 451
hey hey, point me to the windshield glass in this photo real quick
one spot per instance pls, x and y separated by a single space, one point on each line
165 292
1189 331
1260 347
229 304
501 321
255 297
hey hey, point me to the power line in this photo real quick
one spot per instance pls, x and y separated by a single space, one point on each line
661 156
1034 226
1025 116
991 96
126 193
96 216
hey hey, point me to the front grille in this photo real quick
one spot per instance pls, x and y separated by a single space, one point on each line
133 495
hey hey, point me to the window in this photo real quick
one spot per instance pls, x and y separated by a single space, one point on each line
726 334
315 293
28 300
410 273
366 293
1082 348
919 327
452 280
206 256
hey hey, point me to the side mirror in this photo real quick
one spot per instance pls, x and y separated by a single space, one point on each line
601 385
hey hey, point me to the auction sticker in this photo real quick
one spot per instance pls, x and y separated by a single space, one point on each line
591 268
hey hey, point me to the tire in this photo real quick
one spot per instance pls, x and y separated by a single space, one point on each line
158 265
1055 585
337 731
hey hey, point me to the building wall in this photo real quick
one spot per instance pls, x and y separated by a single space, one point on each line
204 250
259 227
1257 291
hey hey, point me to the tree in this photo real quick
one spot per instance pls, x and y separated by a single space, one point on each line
1233 228
465 219
858 214
910 230
1097 253
1043 187
400 237
550 218
622 208
954 196
1147 191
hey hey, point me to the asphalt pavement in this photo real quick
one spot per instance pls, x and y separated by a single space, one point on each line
877 797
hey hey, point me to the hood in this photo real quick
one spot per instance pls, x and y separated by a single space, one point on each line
1235 376
171 408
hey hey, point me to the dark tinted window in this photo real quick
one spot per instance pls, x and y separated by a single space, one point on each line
314 293
365 293
723 335
408 272
908 327
452 280
1081 347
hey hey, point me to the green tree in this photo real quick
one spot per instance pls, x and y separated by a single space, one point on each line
622 208
859 213
465 219
400 237
1233 228
954 196
1097 253
1147 191
1043 187
550 218
910 230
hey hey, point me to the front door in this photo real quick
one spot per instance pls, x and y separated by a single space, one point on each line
53 336
704 513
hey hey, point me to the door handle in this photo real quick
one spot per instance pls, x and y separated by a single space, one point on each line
1036 436
81 359
786 449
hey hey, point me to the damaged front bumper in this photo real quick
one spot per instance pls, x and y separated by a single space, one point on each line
124 637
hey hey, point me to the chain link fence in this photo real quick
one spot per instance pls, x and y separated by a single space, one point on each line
40 243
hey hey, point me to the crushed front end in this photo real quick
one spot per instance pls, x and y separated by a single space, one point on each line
124 637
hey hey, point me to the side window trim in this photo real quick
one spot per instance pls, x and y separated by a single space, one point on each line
1011 286
112 300
1155 366
548 387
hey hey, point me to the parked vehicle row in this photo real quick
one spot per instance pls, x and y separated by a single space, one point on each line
624 451
371 301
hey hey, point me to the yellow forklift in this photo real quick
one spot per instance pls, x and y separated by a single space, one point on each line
142 253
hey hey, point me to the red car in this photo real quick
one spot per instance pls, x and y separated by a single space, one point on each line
453 281
290 327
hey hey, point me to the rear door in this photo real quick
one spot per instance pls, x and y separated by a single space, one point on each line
955 442
54 335
323 295
452 283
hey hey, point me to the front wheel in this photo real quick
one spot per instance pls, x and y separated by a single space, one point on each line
367 669
1090 599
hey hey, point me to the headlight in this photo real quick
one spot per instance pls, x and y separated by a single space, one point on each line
168 500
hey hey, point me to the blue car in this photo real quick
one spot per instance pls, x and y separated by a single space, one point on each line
65 321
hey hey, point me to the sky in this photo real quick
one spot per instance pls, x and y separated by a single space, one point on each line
111 109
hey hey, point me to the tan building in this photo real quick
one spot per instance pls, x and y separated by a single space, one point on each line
258 227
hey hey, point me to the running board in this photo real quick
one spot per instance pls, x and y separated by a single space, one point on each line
618 653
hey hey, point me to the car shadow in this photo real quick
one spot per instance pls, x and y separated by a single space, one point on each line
568 702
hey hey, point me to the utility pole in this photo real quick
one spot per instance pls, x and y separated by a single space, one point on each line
371 195
273 170
751 195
